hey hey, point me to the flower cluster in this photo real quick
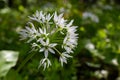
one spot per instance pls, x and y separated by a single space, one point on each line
50 34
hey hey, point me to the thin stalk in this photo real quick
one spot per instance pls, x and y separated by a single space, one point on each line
57 51
25 61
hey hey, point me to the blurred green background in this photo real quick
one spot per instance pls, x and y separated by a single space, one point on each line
97 56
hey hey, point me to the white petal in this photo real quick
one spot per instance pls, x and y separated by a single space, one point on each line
43 61
66 55
61 15
49 63
69 50
42 49
51 50
42 42
53 44
28 29
40 30
70 23
47 41
33 27
44 66
44 31
30 40
64 59
55 16
61 61
46 53
37 13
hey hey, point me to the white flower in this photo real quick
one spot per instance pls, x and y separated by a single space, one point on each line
35 46
59 21
52 34
41 17
48 17
90 15
70 41
45 62
47 47
42 34
66 45
30 33
38 16
63 58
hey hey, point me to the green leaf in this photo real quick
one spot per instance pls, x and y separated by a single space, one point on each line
13 75
8 59
102 33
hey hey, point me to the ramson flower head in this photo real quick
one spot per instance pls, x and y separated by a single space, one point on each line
52 35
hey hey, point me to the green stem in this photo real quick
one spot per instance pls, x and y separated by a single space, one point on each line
25 61
57 51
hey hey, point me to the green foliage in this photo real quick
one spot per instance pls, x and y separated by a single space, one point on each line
12 75
98 48
8 59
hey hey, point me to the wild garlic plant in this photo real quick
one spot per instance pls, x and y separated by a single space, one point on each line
50 34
